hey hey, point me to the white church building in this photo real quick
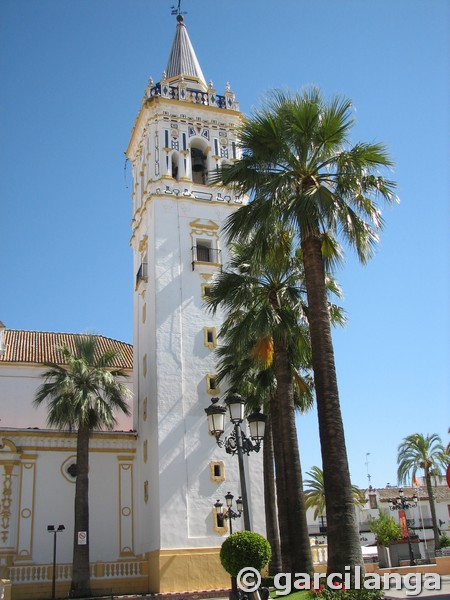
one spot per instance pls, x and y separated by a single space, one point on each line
155 479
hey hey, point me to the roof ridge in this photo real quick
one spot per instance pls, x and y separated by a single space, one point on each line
107 337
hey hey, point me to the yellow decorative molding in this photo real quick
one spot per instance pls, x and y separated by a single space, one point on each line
204 224
145 451
206 276
204 289
7 446
220 529
144 365
144 409
217 471
210 337
143 244
145 491
209 264
212 386
65 465
96 435
5 503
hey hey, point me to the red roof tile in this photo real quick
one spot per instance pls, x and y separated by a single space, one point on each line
38 347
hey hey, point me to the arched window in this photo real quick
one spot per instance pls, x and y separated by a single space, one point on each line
199 165
175 166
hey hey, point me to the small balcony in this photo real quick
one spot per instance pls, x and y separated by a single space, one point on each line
205 254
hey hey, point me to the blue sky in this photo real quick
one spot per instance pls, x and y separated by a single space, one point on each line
73 74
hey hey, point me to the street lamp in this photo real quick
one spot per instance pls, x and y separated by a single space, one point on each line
237 442
402 503
52 529
229 513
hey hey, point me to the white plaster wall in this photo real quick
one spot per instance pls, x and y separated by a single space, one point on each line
186 493
18 386
49 496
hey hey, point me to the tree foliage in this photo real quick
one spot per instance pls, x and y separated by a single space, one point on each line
244 549
315 492
385 528
301 170
427 453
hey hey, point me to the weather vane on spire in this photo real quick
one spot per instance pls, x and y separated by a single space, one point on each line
176 10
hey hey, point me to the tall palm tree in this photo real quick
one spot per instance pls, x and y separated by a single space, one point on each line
315 493
299 167
264 337
263 303
83 393
429 454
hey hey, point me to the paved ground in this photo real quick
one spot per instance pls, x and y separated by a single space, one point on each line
392 594
442 594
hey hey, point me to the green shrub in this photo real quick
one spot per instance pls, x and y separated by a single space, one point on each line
444 541
244 549
343 594
385 528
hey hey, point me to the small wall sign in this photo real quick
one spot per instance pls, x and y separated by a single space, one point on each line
82 538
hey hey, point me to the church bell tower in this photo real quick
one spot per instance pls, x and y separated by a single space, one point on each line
183 132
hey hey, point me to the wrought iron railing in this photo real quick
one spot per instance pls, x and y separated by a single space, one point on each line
205 255
190 95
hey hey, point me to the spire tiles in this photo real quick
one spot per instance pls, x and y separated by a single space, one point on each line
182 60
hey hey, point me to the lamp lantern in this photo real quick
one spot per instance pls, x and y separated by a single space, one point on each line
216 418
240 505
229 499
236 404
257 424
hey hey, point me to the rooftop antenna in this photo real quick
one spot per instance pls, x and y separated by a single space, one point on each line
176 10
367 467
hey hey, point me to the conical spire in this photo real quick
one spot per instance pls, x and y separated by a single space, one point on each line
183 62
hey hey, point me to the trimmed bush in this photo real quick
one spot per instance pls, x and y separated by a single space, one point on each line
244 549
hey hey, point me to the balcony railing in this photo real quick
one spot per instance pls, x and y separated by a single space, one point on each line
189 95
204 254
426 523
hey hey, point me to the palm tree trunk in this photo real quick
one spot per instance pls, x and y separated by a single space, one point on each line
294 538
273 534
344 547
437 543
81 586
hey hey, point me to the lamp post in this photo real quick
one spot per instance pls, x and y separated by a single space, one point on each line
237 442
52 529
229 513
403 503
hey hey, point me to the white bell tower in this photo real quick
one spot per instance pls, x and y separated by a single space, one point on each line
183 132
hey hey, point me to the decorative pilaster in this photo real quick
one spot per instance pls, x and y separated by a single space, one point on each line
126 518
9 460
26 507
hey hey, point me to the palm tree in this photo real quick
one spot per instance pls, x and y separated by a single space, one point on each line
263 339
299 167
263 306
83 393
315 493
423 452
